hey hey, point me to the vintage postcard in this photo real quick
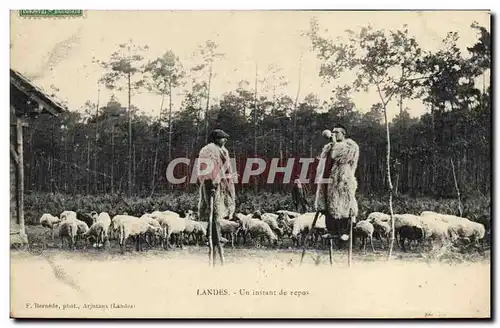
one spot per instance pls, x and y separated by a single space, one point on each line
250 164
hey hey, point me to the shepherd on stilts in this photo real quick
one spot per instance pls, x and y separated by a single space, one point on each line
336 199
217 198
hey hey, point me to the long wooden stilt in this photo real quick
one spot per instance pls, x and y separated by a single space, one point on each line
349 260
210 227
330 250
308 235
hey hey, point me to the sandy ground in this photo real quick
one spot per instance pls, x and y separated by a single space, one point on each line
259 283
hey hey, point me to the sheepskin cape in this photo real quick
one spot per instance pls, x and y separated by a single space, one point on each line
223 178
338 197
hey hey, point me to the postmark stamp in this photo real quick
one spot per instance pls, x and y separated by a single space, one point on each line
36 246
51 13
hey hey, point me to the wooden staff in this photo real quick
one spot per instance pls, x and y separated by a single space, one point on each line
211 259
308 235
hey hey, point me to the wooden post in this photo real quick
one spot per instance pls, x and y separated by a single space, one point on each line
20 175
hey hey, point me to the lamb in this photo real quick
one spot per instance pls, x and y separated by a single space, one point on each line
364 229
302 224
49 221
136 228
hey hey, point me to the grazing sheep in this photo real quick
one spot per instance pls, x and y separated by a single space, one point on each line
49 221
302 224
199 231
85 217
71 216
258 228
272 220
136 228
379 216
459 227
382 230
115 224
229 230
364 230
410 233
150 238
172 225
106 222
98 231
286 224
408 227
68 230
289 213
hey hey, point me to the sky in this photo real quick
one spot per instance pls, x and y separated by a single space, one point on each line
59 52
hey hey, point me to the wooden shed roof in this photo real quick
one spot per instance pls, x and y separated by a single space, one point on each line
27 88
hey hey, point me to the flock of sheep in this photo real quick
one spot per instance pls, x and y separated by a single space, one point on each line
167 228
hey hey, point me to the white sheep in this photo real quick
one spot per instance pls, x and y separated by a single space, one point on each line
302 224
49 221
364 230
68 229
289 213
71 216
106 222
151 239
272 220
382 230
229 229
257 228
459 227
379 216
97 230
115 223
171 225
130 226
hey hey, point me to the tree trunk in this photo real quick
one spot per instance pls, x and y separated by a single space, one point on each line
208 103
170 127
113 159
295 110
96 188
155 163
129 138
256 179
389 181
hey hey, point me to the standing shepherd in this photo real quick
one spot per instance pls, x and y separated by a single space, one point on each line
336 199
217 194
